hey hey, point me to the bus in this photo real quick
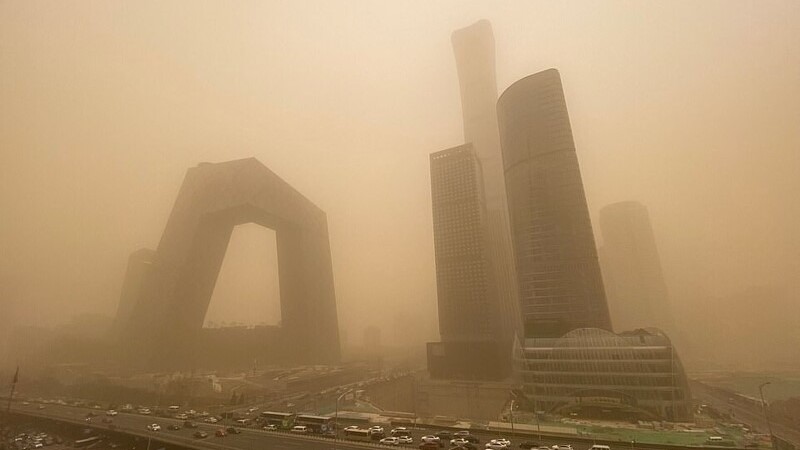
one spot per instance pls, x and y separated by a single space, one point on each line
279 419
317 424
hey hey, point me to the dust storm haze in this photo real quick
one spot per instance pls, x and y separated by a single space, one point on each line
690 108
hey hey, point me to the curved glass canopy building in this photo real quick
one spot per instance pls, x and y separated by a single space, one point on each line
632 375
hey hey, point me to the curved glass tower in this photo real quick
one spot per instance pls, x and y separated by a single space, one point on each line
560 284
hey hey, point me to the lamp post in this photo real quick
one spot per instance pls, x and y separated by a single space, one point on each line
336 416
511 416
764 407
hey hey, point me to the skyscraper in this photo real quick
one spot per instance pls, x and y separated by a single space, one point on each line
473 47
560 284
469 321
476 286
463 273
637 293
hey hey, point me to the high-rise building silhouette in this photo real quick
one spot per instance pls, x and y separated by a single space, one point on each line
474 51
634 281
477 284
469 324
560 283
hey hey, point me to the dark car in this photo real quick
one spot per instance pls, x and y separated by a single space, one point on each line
529 445
220 433
429 446
444 435
472 439
107 420
233 430
189 424
200 434
174 426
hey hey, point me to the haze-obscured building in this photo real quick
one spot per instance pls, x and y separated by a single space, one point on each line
559 278
478 302
570 360
595 373
471 329
634 281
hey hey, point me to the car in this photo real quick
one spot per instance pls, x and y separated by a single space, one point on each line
375 429
351 427
461 433
405 439
189 424
220 433
562 447
253 409
401 431
181 416
243 422
599 447
429 446
444 435
461 442
144 411
270 427
502 441
430 438
174 426
111 413
154 427
492 445
233 430
90 414
300 429
529 445
211 419
107 420
202 414
40 407
200 434
390 441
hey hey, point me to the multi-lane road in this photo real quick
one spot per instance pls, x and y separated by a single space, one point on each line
248 439
257 439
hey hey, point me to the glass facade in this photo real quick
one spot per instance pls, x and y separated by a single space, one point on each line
560 284
636 374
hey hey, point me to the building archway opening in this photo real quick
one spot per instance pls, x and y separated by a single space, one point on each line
247 291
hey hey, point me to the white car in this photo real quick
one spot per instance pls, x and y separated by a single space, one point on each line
211 419
430 438
390 441
271 427
405 439
562 447
301 429
496 446
351 427
502 441
154 427
144 411
459 442
181 416
111 412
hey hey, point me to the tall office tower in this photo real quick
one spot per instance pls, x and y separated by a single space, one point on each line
473 47
637 293
469 321
560 284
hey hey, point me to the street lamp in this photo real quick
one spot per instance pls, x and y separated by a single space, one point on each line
336 414
764 407
511 416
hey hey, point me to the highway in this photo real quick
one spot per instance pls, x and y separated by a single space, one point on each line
257 439
248 439
753 417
